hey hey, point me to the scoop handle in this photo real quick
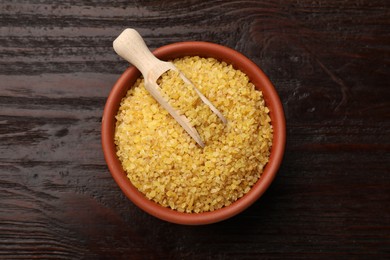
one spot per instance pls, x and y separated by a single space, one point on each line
131 47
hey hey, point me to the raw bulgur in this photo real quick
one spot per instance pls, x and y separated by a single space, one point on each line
162 160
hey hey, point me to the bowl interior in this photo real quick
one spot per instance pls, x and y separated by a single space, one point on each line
256 76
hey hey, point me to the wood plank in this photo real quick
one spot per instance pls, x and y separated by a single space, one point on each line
328 60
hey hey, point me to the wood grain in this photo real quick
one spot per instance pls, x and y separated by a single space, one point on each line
329 61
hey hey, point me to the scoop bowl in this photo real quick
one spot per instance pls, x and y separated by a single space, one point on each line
261 82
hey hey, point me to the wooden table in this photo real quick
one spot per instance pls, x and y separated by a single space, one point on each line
329 61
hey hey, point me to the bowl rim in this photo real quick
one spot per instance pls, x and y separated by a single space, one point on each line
272 100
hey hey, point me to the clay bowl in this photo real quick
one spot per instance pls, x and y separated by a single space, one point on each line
257 77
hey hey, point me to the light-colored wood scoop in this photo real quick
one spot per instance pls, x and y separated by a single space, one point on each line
131 47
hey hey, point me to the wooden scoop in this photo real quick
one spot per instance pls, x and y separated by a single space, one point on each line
131 47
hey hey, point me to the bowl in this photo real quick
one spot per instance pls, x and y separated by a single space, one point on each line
256 76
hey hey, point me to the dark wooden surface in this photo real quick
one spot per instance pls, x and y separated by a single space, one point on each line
329 61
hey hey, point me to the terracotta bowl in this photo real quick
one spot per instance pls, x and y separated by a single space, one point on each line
257 77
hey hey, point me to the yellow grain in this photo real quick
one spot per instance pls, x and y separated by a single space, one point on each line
163 161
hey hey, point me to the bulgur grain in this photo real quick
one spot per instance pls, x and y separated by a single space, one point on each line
162 160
